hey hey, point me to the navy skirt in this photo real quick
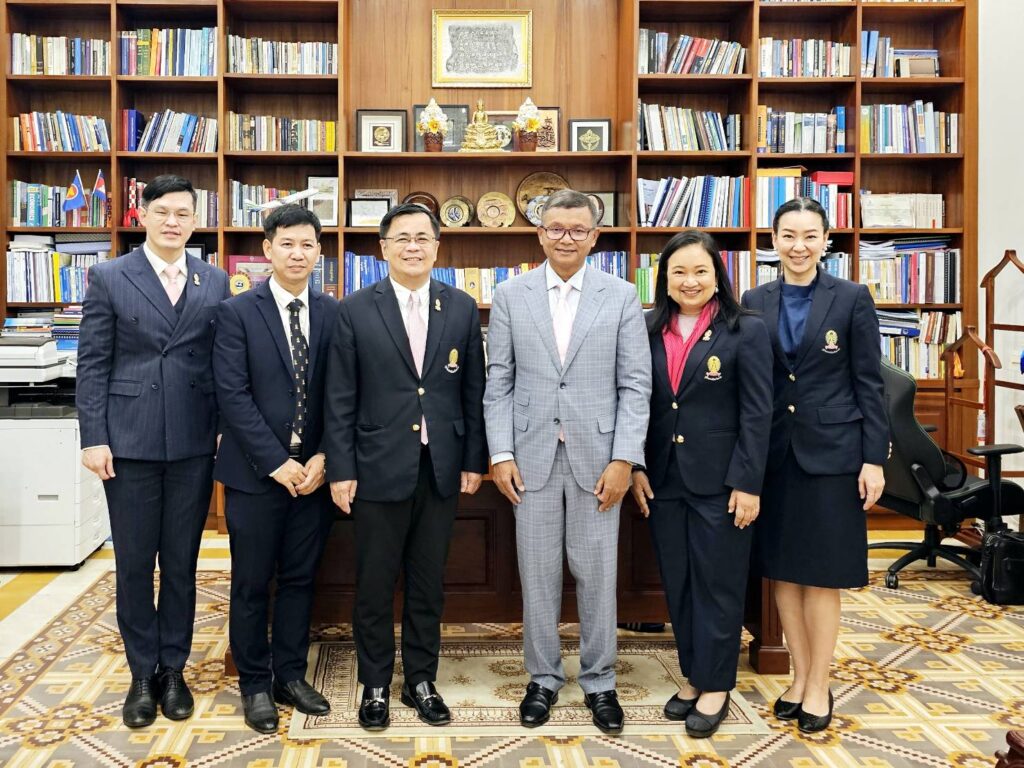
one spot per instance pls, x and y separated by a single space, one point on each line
812 529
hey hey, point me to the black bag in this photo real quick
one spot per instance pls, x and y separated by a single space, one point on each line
1002 567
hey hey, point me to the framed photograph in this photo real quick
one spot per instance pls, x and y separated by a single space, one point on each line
367 211
325 202
590 135
606 203
380 130
458 117
482 49
390 194
502 120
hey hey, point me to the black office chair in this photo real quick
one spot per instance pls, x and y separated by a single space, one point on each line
923 482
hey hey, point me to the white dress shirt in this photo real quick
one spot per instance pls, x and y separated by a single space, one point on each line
402 294
159 264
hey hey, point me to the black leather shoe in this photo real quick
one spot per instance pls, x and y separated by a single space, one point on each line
374 709
701 726
429 706
786 710
260 712
605 710
302 696
535 708
175 698
809 723
678 709
139 708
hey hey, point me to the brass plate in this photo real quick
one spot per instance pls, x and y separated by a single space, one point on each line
496 209
539 183
425 199
454 212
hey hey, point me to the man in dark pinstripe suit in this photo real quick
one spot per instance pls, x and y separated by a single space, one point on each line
148 418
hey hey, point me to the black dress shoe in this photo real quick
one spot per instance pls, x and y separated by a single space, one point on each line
809 723
642 626
374 709
701 726
429 706
535 708
175 698
678 709
260 712
786 710
605 710
139 708
302 696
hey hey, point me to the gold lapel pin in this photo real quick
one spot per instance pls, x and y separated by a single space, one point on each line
437 305
195 278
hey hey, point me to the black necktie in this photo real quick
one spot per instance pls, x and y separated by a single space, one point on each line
300 359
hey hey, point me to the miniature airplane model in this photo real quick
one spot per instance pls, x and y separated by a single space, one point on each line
292 198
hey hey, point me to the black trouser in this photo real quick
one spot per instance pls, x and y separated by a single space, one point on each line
280 538
157 513
409 536
704 559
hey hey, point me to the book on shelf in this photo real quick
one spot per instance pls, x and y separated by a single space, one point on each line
59 132
679 129
28 325
167 131
880 58
39 271
168 52
801 132
58 55
256 56
907 129
915 341
246 197
131 198
42 205
909 210
803 58
698 201
267 133
661 53
903 273
777 185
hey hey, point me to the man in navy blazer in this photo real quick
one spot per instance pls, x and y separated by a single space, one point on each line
270 356
148 419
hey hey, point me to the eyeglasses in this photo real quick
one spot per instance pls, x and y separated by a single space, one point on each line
161 214
403 242
557 233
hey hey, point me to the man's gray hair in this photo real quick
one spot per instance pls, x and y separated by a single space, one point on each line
570 198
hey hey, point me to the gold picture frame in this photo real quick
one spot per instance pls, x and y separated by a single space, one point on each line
482 49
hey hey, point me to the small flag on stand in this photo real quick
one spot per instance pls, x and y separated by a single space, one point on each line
75 196
99 189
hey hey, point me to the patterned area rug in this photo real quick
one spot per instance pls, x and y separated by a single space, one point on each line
926 675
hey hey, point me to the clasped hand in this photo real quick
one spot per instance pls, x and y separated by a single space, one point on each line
301 480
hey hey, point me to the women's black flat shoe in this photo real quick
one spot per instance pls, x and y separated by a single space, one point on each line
808 723
786 710
701 726
677 708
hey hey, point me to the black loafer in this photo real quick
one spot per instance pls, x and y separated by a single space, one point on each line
786 710
678 709
374 709
260 712
535 708
605 710
809 723
429 706
701 726
302 696
139 708
175 698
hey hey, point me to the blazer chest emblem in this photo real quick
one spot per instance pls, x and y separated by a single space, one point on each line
714 372
453 361
831 342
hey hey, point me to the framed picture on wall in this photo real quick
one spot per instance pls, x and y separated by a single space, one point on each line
325 202
605 202
380 130
590 135
482 49
367 211
458 117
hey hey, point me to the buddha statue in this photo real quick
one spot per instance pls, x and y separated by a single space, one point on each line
480 135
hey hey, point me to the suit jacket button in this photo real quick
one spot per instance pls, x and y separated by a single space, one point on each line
415 427
675 406
561 385
291 393
791 408
192 384
164 353
680 439
156 386
421 391
792 377
557 421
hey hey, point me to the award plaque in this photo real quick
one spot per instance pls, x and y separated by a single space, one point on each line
496 209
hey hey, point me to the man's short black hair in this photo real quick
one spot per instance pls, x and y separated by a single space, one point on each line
165 185
407 209
290 215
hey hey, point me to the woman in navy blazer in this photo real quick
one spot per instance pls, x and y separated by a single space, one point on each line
707 444
830 437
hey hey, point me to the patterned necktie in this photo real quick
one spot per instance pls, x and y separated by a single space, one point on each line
417 331
172 287
300 360
562 320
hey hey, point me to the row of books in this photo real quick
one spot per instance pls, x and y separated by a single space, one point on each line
775 186
878 58
66 325
916 342
681 129
42 205
168 131
47 276
175 52
245 198
59 132
254 55
688 55
28 325
796 132
913 210
803 58
909 129
698 201
58 55
266 133
206 204
912 277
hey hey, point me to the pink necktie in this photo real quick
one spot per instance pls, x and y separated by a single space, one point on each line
417 331
172 287
562 319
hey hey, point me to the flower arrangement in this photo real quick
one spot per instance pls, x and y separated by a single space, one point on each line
432 120
528 119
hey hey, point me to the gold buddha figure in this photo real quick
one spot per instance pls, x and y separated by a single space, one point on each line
481 136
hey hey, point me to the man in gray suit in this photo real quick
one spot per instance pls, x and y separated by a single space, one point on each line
566 408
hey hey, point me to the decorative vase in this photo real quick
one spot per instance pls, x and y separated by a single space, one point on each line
432 142
527 141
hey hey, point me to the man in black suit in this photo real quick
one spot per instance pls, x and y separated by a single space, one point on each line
404 435
269 363
148 417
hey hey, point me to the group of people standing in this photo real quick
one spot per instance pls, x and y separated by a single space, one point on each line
750 432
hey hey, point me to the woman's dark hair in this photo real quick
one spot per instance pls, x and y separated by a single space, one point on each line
665 306
800 204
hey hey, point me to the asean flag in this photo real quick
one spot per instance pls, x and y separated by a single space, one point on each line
74 197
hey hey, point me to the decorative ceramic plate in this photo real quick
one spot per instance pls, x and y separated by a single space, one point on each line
496 209
425 199
539 183
455 212
535 209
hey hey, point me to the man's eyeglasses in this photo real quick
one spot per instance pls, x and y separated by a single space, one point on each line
557 233
161 214
402 241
